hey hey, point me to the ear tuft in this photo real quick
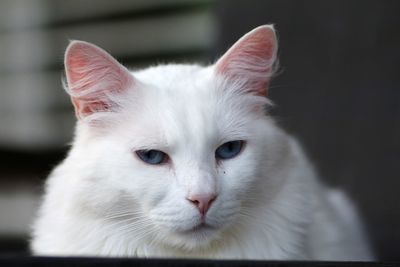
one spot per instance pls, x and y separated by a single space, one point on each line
93 78
251 60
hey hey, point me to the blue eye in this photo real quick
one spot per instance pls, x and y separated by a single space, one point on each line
153 157
229 150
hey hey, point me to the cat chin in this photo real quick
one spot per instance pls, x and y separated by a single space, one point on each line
193 240
201 236
198 237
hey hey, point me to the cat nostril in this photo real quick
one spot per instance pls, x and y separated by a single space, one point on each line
202 202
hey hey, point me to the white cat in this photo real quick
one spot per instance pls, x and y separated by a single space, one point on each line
181 161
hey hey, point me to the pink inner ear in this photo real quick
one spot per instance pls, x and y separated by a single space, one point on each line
251 59
93 75
75 60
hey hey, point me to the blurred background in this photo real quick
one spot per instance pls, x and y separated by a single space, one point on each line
338 90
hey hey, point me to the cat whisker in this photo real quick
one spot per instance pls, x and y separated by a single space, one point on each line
134 229
126 214
124 211
139 232
145 233
126 221
247 216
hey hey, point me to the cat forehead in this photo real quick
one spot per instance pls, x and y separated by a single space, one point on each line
183 104
177 101
174 75
179 89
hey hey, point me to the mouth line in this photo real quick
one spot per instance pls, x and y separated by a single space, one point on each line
199 228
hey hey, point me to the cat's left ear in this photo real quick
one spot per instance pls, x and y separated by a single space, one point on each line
251 60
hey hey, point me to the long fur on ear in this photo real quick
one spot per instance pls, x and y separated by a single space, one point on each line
251 60
94 78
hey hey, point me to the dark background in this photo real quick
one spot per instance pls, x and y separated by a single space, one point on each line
337 90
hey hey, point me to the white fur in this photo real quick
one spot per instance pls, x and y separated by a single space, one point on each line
104 201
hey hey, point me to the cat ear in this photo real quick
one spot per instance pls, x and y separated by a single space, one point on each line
94 78
251 60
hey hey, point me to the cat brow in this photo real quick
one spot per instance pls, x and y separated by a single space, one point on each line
147 143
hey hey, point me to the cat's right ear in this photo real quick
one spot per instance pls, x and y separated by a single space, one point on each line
251 60
94 78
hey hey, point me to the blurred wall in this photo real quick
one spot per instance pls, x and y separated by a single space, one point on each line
34 111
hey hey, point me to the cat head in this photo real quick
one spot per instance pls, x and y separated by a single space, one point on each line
172 153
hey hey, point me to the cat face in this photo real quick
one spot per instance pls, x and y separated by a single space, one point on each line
174 151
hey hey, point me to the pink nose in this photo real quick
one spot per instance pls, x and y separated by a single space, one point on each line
202 202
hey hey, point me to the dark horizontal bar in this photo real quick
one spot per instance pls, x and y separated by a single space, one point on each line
34 163
54 261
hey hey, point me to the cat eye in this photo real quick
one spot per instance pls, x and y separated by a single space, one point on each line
229 150
152 157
